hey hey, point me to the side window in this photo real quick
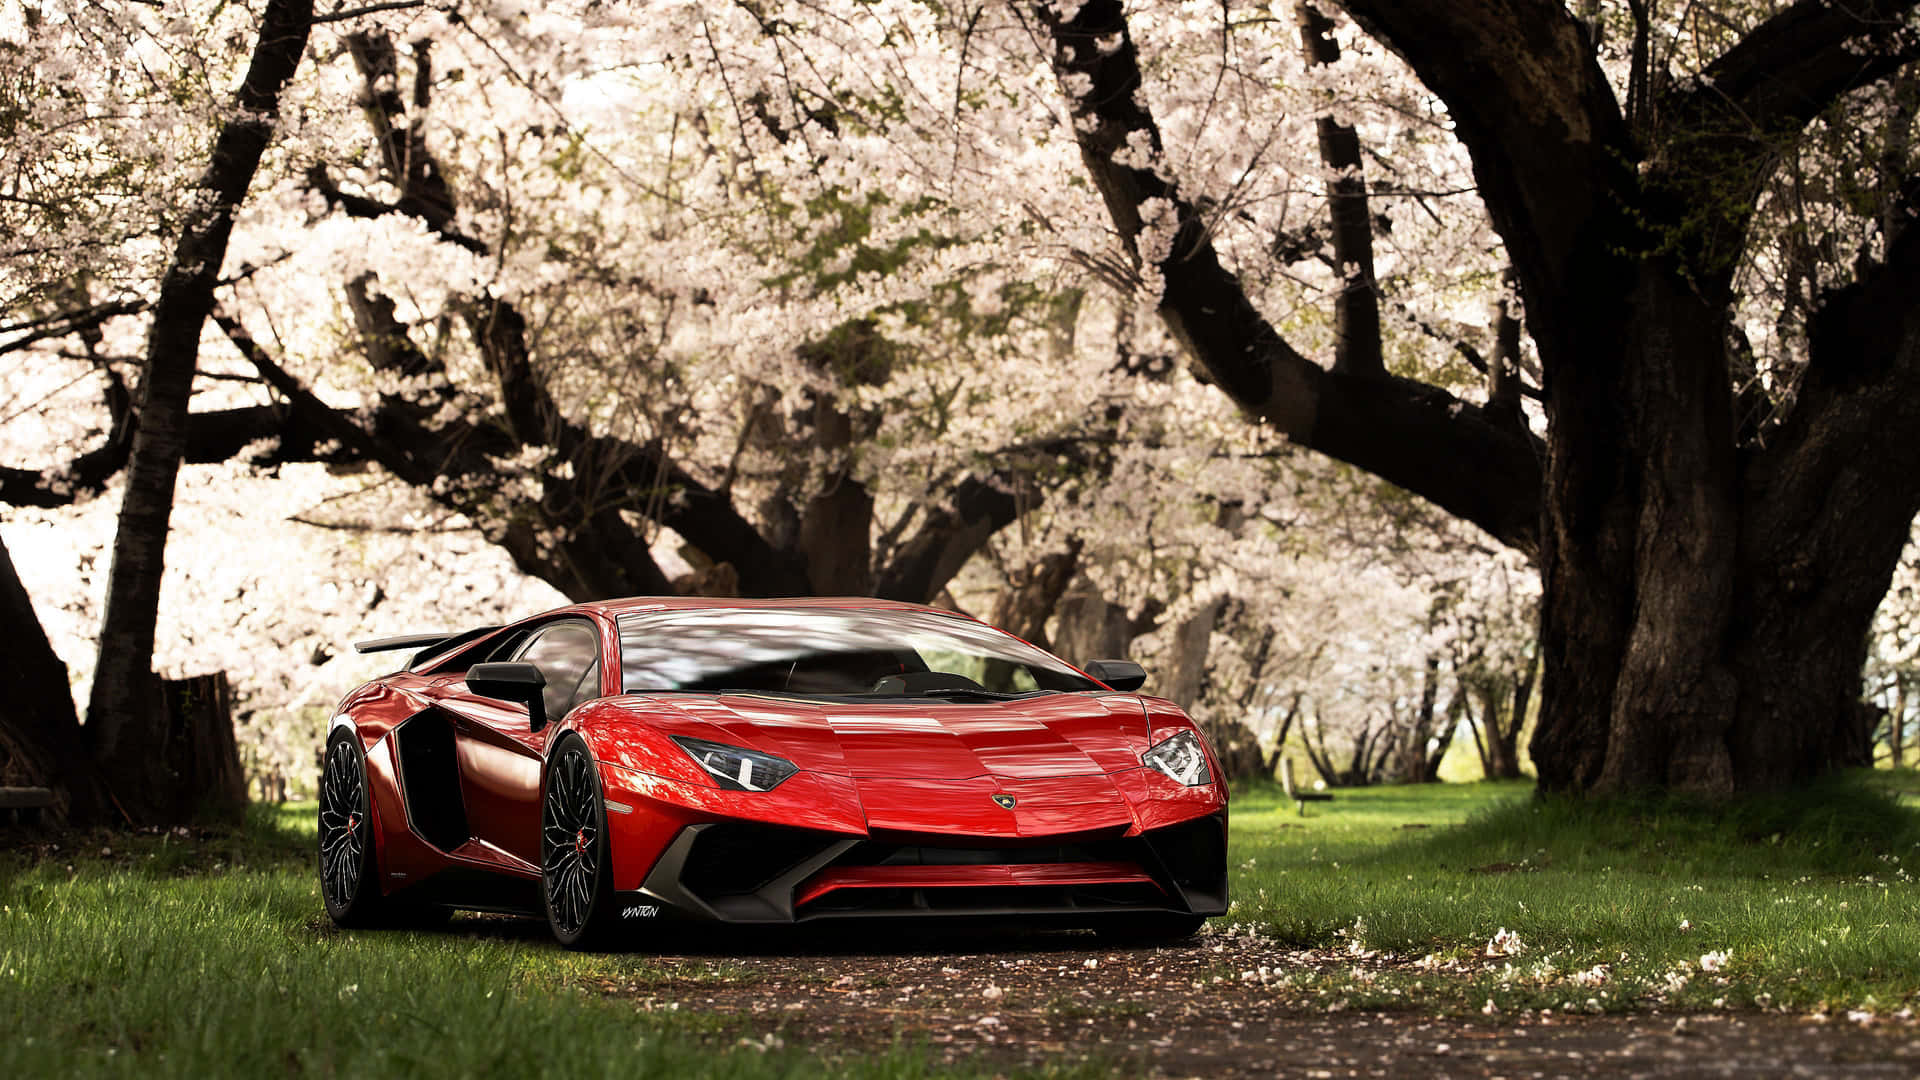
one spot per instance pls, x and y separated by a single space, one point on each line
566 655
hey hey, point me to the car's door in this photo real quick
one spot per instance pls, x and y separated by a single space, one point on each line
500 756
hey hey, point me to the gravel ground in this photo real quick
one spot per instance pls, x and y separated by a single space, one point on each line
1186 1010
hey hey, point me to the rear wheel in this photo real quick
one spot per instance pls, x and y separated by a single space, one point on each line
349 882
1151 929
349 869
576 875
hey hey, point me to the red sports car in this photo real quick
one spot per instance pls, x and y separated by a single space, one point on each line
615 765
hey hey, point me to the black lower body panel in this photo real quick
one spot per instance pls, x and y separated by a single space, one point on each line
737 872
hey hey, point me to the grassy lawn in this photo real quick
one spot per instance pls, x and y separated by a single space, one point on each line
188 957
1805 903
158 954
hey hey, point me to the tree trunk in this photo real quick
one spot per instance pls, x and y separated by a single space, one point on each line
836 525
1311 740
1029 601
1503 738
1497 730
40 740
1185 679
194 773
1705 612
1705 602
1089 628
200 750
1507 757
1443 740
1285 729
122 724
1410 753
1897 724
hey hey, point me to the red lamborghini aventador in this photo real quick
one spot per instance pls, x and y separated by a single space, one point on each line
616 765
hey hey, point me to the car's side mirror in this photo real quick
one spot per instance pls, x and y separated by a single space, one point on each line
1119 674
512 682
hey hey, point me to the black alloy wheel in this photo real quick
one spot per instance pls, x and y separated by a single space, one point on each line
576 880
349 886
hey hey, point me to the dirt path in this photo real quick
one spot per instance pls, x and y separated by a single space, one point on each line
1197 1010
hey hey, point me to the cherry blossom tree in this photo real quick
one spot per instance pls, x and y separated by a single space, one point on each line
1707 590
127 730
889 298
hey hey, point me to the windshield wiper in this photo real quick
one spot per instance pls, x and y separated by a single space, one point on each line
968 691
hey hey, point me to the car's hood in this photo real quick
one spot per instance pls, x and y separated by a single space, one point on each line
1041 736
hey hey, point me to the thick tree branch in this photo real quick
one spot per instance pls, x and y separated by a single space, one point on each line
370 9
424 192
68 322
609 476
950 533
1549 143
1413 435
1356 307
212 437
957 518
1835 491
1787 70
305 410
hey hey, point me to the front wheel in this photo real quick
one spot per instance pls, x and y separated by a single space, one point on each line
576 873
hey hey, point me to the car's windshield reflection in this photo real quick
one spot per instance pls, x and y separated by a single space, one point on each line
833 652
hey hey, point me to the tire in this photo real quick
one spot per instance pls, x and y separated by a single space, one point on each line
1151 929
576 875
349 875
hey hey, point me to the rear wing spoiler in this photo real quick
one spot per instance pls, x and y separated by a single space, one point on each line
426 644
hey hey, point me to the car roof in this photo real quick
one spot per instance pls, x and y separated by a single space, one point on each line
636 604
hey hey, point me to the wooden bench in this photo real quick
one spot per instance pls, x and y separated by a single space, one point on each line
1300 798
22 805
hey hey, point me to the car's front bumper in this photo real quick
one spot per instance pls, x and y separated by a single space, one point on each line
805 855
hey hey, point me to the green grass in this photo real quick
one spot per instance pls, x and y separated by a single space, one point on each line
210 953
188 958
1810 896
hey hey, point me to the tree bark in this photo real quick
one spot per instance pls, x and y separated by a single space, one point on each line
1185 679
1705 602
1030 600
40 739
198 764
1505 735
1356 306
1090 628
836 525
122 725
1414 435
1409 760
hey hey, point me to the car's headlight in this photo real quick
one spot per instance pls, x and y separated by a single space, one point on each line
737 769
1181 760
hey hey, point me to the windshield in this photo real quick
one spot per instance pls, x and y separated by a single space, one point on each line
826 651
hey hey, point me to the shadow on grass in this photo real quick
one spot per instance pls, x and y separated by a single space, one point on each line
1846 824
270 837
877 938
